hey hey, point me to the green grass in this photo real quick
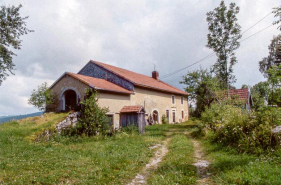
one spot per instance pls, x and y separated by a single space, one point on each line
229 167
63 160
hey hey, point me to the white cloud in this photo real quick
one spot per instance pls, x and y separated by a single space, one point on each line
130 34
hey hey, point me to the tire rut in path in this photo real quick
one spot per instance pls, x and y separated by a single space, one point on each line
142 177
201 164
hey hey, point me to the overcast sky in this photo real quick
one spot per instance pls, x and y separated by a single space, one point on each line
132 34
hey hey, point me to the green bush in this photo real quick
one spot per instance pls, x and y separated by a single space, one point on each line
93 120
251 133
164 119
198 131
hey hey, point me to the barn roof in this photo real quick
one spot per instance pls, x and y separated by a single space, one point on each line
131 109
100 84
96 83
140 79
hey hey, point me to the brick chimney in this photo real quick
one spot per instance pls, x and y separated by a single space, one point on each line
155 75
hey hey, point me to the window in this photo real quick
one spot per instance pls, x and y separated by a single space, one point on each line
182 100
182 114
174 116
173 99
167 115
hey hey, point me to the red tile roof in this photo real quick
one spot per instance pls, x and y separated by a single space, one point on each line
243 94
141 80
100 84
127 109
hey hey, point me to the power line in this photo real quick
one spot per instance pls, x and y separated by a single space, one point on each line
172 73
256 23
257 33
212 54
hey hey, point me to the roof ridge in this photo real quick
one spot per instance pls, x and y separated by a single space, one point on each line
104 65
97 62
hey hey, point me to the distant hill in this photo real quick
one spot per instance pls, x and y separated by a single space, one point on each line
9 118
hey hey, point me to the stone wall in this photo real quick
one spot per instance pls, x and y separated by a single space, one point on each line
69 122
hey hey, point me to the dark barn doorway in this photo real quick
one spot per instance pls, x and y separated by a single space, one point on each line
155 116
70 100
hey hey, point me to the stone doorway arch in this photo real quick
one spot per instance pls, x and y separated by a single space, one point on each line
69 100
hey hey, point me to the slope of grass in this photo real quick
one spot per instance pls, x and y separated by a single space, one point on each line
111 160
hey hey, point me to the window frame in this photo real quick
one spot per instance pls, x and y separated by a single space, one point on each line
182 100
173 99
174 116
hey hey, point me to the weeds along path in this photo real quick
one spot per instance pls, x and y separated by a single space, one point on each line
142 177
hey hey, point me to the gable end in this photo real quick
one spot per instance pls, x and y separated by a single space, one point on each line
93 70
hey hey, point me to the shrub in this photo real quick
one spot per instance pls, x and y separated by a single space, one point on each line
164 119
246 132
93 120
198 131
42 97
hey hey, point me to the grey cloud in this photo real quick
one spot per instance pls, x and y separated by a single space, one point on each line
130 34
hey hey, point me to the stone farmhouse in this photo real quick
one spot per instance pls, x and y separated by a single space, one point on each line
127 94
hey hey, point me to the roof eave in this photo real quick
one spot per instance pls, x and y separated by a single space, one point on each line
150 87
57 80
109 90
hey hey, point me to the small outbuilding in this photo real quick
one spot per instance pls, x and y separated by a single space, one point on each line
133 115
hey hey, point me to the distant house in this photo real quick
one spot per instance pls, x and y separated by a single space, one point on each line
243 95
129 96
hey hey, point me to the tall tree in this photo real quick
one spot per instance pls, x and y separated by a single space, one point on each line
277 13
202 87
224 32
12 26
274 56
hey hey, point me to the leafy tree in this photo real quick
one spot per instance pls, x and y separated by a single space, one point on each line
277 12
41 97
12 26
260 93
203 88
244 86
274 81
224 33
273 57
93 118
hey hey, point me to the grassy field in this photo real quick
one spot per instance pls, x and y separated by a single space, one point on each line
112 160
229 167
117 159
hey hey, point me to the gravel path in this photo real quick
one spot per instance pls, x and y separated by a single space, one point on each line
142 177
